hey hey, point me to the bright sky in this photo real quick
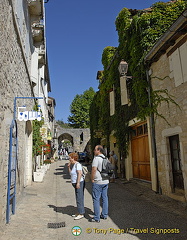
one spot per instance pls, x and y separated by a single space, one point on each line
77 31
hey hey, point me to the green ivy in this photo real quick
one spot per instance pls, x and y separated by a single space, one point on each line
138 30
37 139
94 119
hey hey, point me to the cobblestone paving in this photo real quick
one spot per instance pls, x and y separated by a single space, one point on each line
133 208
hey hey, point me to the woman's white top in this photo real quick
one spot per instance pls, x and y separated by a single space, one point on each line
73 173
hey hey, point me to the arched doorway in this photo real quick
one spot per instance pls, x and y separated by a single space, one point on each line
65 141
78 137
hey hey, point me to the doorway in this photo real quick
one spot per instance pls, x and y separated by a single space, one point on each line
140 152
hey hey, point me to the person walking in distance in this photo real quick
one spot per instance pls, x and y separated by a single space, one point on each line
112 160
75 170
116 163
99 186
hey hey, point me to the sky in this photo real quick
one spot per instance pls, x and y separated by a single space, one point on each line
77 31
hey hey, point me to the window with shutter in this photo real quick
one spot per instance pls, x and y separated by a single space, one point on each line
112 103
183 56
177 70
123 86
178 64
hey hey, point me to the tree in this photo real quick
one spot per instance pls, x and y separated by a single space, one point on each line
62 124
79 109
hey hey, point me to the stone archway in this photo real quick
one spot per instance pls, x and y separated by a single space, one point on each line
65 136
63 139
79 137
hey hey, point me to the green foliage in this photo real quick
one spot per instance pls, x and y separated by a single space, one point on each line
62 124
79 108
107 56
37 139
66 143
123 22
94 115
138 30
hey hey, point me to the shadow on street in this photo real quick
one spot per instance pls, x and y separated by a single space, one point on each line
133 212
63 170
70 210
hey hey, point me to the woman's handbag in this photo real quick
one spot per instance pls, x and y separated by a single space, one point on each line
86 174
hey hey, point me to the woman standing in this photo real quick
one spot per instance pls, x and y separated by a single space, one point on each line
75 170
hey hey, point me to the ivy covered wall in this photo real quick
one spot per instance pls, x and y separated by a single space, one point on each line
138 30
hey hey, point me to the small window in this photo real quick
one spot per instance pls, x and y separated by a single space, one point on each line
140 130
112 103
145 129
177 63
81 138
133 133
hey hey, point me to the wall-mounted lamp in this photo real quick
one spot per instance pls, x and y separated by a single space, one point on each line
123 67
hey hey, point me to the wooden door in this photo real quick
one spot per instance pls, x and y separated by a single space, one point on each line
176 162
140 152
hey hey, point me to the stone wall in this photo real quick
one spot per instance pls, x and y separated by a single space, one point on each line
14 82
177 118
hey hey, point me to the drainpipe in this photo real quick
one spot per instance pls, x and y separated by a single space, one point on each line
152 130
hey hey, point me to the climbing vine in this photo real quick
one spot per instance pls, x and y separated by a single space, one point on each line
37 138
138 30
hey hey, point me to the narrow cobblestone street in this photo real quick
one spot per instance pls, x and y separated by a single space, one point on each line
132 207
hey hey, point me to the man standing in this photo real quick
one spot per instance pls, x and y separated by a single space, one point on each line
99 186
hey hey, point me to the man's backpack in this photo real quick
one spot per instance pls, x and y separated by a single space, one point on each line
107 168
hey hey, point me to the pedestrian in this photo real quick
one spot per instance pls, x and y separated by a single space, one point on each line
99 186
112 160
116 163
75 170
115 156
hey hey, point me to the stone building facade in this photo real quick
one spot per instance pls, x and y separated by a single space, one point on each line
168 71
17 68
